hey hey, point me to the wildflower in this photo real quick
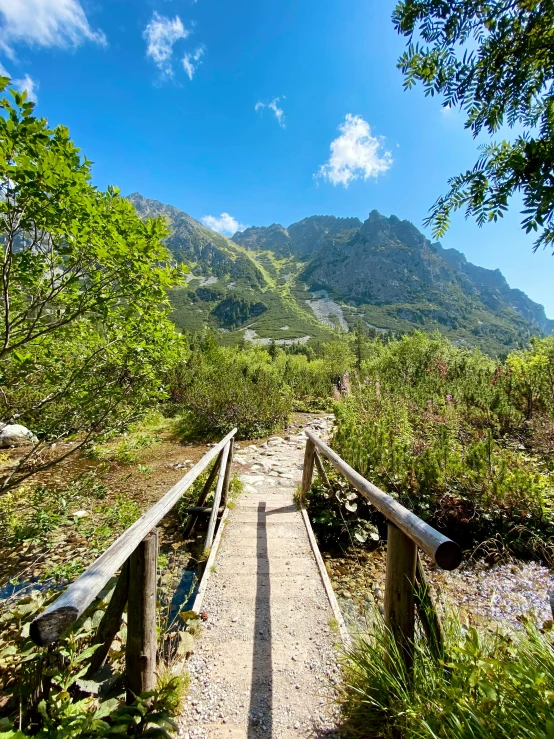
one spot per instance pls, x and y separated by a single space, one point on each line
449 398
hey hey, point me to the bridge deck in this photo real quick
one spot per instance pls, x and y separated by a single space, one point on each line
266 662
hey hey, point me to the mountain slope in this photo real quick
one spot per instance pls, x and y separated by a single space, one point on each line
324 274
388 274
230 289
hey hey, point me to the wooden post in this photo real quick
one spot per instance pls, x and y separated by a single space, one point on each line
192 519
445 552
400 591
111 621
321 470
60 615
227 480
308 471
141 619
217 497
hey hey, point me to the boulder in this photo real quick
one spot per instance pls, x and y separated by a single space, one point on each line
15 435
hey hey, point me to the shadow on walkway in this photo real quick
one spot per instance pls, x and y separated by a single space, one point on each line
260 717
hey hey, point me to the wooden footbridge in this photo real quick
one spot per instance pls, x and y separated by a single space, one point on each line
265 663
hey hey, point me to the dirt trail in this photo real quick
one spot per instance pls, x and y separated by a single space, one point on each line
266 663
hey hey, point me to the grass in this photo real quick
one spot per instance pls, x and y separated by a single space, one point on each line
485 685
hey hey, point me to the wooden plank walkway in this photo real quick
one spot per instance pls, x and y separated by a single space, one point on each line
266 663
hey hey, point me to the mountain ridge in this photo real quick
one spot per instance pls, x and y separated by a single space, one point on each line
323 273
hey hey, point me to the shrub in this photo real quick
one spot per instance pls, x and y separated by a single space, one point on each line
229 388
483 686
446 431
84 302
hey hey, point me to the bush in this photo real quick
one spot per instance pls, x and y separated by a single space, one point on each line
310 382
483 686
228 388
447 431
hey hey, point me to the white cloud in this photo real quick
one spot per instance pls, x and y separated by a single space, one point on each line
224 224
355 154
60 23
161 34
273 106
191 61
27 84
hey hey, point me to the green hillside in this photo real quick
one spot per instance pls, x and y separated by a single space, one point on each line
324 275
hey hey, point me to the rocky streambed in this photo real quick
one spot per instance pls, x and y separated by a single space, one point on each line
481 594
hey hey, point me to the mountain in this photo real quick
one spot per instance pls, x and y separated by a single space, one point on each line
325 274
231 288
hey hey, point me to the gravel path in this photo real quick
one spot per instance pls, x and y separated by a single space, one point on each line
266 663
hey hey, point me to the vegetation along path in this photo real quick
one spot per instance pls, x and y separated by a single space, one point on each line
265 664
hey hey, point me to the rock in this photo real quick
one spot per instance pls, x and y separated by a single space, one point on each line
80 514
16 435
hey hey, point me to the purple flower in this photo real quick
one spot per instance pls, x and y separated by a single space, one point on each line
449 398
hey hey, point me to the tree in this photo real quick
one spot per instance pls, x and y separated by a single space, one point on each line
493 59
85 334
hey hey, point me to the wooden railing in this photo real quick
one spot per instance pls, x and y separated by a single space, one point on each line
135 554
404 580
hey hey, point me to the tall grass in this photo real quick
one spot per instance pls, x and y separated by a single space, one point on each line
484 686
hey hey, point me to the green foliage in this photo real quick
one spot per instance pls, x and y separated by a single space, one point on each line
49 521
233 311
494 60
453 435
59 675
484 685
127 451
225 388
339 514
83 286
252 388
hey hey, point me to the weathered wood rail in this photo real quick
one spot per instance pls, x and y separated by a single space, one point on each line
135 555
404 581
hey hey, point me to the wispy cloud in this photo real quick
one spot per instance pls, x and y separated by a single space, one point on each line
224 224
161 34
355 154
274 107
47 23
26 83
191 61
29 85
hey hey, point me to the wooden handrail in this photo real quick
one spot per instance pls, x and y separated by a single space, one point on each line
406 533
49 626
445 552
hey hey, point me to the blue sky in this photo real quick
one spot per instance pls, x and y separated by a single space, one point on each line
231 108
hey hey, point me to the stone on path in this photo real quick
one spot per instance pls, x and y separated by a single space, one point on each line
266 663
